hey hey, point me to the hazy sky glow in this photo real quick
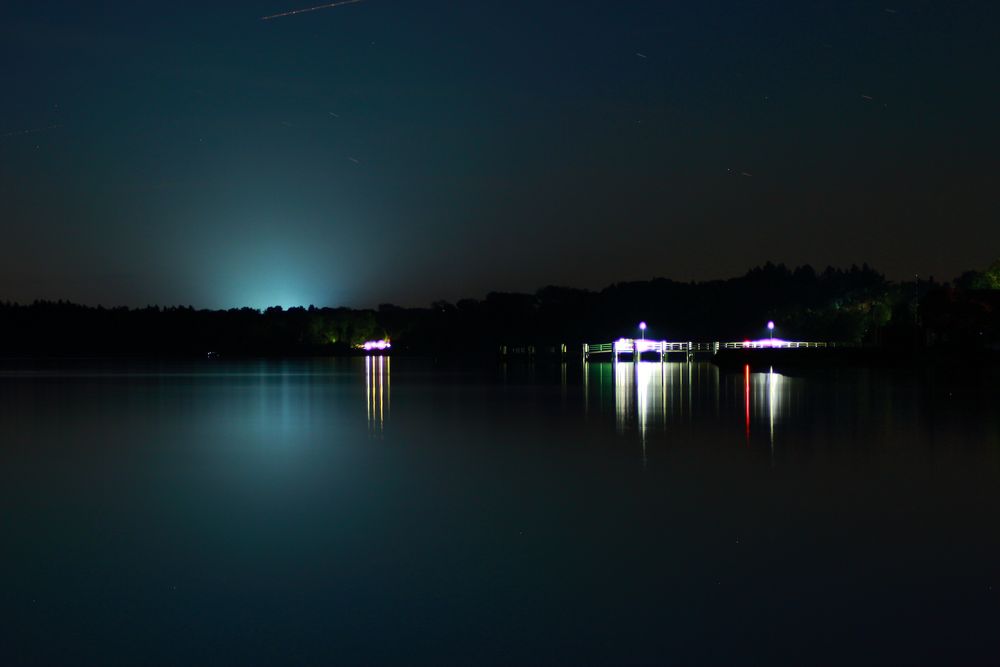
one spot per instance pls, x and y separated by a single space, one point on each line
403 151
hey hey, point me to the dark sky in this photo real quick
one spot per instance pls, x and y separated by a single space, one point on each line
188 152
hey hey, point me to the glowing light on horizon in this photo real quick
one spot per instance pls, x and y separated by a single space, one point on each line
376 345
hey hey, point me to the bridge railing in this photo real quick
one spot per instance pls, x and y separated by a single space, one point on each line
633 345
640 346
773 344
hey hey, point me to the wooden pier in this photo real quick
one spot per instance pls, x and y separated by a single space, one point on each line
637 348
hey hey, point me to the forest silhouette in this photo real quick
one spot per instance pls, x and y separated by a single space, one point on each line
855 305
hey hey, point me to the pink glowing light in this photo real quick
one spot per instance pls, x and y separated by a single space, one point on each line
766 342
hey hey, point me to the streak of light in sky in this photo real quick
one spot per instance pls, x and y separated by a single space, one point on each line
19 133
309 9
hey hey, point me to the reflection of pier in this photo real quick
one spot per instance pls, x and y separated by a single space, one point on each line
648 396
766 393
646 393
377 391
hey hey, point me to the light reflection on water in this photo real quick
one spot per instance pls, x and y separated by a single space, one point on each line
377 392
650 396
557 513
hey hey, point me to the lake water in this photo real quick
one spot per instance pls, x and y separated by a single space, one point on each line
382 511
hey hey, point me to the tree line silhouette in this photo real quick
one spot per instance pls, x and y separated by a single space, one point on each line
850 305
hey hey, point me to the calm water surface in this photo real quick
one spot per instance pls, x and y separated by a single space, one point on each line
373 511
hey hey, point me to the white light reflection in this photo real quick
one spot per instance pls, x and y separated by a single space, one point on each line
377 392
624 395
772 381
767 393
648 393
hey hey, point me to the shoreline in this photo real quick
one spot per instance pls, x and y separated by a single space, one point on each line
727 359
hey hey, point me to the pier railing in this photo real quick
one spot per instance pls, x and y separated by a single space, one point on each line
663 348
773 344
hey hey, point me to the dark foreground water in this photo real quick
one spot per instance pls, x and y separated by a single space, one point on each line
353 511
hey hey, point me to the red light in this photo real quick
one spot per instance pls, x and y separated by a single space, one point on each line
746 399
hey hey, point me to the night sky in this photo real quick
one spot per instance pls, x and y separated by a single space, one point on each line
408 150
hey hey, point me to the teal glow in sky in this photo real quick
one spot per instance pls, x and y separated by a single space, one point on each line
391 151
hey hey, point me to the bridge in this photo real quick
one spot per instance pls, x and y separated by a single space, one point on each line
636 348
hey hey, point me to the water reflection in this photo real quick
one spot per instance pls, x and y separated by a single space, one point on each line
746 399
377 392
137 499
648 396
768 393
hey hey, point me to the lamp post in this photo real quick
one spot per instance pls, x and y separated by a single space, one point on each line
770 331
642 330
